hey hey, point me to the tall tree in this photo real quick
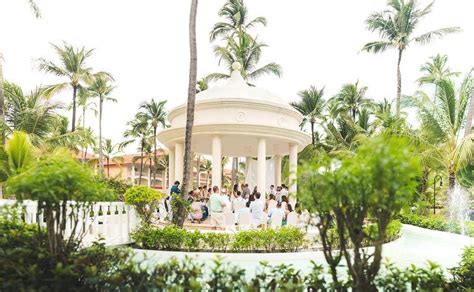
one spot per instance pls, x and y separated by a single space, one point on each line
155 114
72 66
435 70
180 215
31 113
2 101
351 99
110 152
37 14
140 132
396 26
86 104
235 15
100 87
239 45
443 120
311 106
247 51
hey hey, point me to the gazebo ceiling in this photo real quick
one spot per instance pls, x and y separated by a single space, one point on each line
238 140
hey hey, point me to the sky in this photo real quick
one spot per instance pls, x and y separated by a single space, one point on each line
144 44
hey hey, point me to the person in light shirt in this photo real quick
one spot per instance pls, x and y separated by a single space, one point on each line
277 210
256 208
217 202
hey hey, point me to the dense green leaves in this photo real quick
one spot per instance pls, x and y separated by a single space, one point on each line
144 199
268 240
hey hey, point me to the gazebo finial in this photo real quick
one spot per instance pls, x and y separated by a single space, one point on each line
236 66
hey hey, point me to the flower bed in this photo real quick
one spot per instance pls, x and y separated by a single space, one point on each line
285 239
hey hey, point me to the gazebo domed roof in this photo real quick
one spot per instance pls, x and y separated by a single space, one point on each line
237 87
240 114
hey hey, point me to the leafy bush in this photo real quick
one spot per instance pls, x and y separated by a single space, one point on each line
118 186
54 181
463 276
436 222
431 278
144 199
173 238
27 265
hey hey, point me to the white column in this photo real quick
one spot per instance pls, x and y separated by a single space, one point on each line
293 169
178 162
261 169
171 170
216 161
133 174
248 175
277 170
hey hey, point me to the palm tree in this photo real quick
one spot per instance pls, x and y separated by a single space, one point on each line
469 116
155 114
311 106
206 166
351 99
247 51
73 67
139 130
16 156
110 152
34 8
202 84
396 27
101 88
180 215
84 101
37 13
443 120
436 69
33 114
85 96
235 14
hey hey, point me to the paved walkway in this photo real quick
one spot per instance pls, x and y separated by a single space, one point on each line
415 246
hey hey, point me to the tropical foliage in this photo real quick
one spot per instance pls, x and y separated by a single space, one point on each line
397 26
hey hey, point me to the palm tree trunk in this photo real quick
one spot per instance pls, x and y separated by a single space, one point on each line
470 113
149 165
154 155
399 81
2 102
181 212
84 117
101 154
108 167
141 163
313 140
74 95
84 126
198 166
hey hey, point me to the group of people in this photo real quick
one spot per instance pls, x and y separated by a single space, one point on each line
215 202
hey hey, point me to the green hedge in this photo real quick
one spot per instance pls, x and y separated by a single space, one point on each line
26 265
172 238
436 222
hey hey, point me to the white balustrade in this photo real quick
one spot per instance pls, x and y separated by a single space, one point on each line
111 221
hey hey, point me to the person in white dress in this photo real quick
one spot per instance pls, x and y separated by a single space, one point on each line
256 208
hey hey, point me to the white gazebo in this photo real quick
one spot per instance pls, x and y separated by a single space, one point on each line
238 120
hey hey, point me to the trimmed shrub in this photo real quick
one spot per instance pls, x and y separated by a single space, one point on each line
436 222
144 199
173 238
463 276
